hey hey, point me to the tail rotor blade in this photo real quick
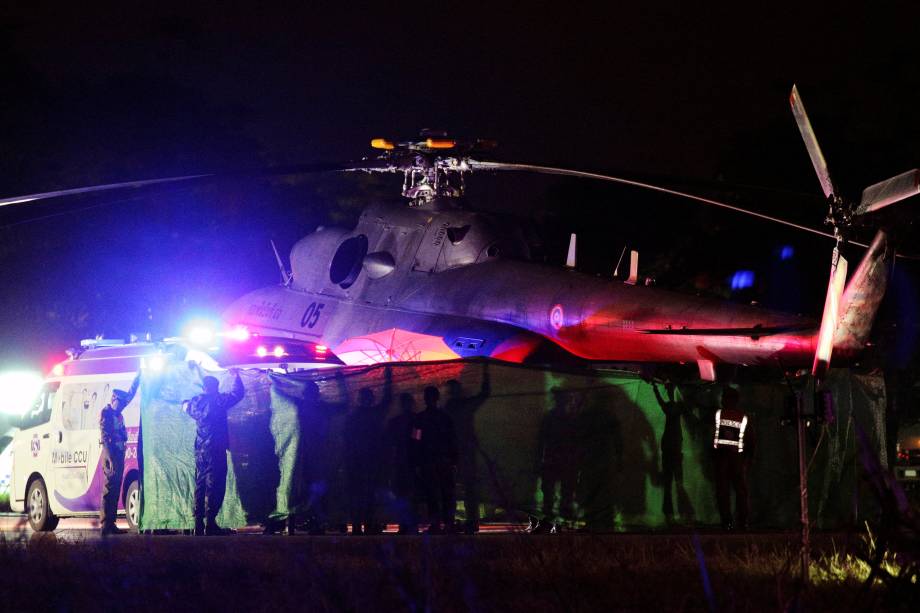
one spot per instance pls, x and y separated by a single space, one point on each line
831 316
811 143
889 191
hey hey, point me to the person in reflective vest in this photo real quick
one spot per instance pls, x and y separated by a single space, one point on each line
734 447
114 437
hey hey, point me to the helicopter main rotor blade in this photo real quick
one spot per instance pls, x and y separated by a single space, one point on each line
889 191
97 188
275 171
811 143
481 165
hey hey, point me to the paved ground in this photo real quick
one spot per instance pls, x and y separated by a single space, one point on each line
87 530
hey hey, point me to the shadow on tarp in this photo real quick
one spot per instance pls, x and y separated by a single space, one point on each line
288 454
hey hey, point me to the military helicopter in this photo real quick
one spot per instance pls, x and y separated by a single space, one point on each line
435 279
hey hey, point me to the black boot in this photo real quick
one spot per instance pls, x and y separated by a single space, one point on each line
212 529
199 526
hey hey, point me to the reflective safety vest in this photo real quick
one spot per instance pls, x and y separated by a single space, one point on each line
730 429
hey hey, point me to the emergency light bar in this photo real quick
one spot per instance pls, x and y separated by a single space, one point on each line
94 343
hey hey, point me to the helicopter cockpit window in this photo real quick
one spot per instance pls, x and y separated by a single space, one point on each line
348 260
40 413
510 248
455 235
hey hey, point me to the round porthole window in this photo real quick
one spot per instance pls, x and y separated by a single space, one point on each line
347 261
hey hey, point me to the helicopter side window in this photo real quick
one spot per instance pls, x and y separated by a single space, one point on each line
348 260
40 413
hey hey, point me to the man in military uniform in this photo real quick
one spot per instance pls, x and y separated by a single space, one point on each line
433 433
114 437
734 446
209 410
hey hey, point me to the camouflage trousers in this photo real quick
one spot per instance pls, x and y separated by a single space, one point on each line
210 482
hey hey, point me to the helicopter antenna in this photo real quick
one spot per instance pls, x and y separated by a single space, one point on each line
633 267
573 248
286 277
616 269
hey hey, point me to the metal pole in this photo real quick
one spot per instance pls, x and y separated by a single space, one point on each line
803 489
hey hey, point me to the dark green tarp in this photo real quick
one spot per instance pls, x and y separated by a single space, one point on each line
283 459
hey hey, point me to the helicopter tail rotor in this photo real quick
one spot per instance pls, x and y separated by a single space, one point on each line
889 191
831 315
811 143
848 314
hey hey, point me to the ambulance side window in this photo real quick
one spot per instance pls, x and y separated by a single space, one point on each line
82 404
72 407
40 413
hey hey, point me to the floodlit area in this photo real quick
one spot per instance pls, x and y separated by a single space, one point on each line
19 390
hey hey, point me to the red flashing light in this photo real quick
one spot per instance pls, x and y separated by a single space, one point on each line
321 349
58 370
239 333
262 351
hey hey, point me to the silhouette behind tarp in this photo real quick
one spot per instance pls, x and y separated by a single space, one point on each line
462 410
288 455
364 452
252 447
558 457
672 454
401 499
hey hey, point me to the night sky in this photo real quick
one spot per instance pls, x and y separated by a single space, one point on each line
690 98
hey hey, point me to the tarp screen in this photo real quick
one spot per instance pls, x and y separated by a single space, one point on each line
287 455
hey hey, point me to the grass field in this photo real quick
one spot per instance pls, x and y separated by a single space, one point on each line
510 572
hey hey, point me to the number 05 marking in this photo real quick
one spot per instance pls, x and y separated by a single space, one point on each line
311 315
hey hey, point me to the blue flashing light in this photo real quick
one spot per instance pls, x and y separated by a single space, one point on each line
155 363
786 252
742 279
201 333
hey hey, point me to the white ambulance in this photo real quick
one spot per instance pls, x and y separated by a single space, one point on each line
56 453
56 469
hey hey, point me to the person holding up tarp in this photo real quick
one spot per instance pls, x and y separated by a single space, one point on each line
402 455
209 410
436 468
672 457
114 437
462 410
363 456
734 447
557 460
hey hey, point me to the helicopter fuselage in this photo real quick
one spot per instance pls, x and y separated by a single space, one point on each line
440 282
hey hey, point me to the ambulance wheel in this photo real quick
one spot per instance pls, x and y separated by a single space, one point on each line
39 508
133 505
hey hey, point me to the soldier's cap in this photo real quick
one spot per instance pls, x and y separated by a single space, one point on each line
210 381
